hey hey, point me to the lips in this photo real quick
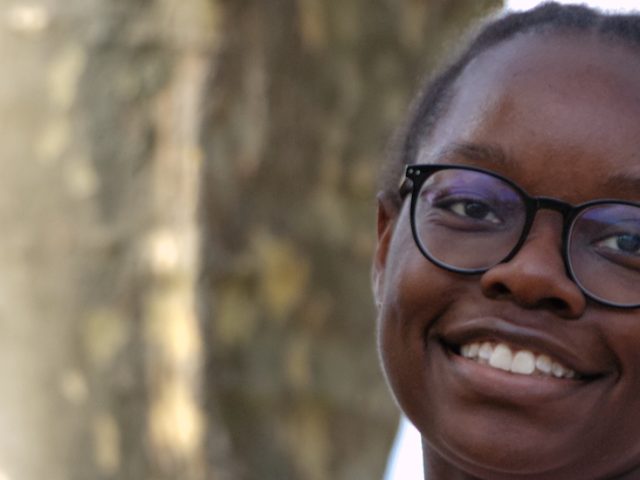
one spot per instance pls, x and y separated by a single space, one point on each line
520 349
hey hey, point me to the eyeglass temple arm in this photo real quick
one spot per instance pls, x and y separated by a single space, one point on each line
405 186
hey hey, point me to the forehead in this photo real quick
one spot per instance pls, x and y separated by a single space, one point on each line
562 107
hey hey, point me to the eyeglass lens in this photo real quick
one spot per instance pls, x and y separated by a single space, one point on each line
469 221
604 252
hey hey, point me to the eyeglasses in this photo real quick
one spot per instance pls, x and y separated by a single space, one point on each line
467 220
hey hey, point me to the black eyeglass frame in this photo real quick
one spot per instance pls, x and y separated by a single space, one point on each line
417 174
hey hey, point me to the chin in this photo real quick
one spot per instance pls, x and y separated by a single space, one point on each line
504 458
507 449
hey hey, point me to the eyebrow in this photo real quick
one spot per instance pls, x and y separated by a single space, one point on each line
624 183
483 154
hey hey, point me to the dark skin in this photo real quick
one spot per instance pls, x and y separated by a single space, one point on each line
564 113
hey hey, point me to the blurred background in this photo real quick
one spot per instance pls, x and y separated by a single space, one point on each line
187 206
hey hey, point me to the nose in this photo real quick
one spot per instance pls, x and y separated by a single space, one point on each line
536 276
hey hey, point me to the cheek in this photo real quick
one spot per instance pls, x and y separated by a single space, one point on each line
625 395
616 421
413 287
415 294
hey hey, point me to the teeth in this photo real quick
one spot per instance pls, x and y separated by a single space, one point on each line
484 351
523 362
557 370
501 357
543 363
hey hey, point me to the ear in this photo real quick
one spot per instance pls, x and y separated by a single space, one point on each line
388 209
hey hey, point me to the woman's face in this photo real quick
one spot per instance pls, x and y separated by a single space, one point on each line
564 113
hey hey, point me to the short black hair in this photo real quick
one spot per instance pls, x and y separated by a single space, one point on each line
434 98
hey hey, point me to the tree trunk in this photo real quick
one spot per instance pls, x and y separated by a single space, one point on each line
100 349
305 97
186 295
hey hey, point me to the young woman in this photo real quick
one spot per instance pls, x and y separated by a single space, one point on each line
507 272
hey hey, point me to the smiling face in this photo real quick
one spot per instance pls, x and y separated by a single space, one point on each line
560 116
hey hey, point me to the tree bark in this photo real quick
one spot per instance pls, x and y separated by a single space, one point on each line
100 352
186 204
305 98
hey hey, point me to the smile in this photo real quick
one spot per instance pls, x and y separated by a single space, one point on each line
502 356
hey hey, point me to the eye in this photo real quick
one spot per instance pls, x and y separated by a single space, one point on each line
626 243
473 209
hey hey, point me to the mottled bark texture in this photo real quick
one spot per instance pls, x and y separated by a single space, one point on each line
144 338
303 100
100 350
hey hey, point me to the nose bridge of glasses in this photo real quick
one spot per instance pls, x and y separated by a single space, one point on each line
546 226
563 208
548 203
